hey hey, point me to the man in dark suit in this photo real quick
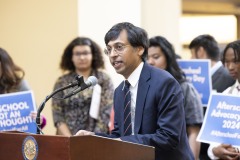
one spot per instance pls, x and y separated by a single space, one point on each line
157 113
221 79
206 47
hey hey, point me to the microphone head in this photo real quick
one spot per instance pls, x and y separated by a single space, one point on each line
92 80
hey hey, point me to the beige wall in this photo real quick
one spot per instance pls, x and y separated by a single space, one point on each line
161 17
103 18
157 17
35 34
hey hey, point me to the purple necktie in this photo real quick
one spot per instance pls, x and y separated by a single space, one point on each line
127 109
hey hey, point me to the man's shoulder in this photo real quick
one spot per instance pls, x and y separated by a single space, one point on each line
222 71
154 71
156 77
119 87
223 74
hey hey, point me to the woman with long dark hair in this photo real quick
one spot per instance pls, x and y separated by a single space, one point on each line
83 57
11 75
161 54
12 79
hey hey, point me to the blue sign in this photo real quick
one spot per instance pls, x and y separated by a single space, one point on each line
198 73
15 109
222 120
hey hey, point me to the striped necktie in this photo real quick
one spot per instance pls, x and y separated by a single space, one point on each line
127 109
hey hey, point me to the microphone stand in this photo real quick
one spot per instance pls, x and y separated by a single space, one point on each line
79 80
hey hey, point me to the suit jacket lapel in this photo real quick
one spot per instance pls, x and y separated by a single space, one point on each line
215 76
119 107
141 96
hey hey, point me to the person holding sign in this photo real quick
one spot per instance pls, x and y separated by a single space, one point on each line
12 79
206 47
231 60
161 54
91 108
11 75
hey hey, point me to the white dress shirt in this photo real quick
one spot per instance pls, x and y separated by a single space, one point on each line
133 79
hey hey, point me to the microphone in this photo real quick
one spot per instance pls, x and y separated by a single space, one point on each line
79 80
91 81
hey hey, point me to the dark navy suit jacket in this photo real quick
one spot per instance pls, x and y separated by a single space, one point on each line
221 79
159 116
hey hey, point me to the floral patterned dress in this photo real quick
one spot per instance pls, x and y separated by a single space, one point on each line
74 111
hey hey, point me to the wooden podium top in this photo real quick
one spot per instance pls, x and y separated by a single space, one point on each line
72 148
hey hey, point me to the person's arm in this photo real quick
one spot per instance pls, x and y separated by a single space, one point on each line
192 132
210 151
58 112
62 129
111 121
193 115
223 151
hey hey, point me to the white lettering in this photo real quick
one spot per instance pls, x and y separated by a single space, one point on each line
13 107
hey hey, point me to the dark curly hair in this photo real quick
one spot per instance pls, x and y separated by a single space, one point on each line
97 61
10 74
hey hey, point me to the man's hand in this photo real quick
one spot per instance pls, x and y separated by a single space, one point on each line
84 133
226 152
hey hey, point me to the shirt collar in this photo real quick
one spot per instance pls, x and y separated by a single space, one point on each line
234 89
215 67
236 84
134 77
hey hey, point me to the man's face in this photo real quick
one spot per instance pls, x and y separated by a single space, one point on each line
123 57
230 63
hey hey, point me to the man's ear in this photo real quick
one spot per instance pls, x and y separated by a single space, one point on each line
140 51
201 53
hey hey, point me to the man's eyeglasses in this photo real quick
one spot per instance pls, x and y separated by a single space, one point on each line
117 48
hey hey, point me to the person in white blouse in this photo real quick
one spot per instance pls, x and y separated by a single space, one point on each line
231 60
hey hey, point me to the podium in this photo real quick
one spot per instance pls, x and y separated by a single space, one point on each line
72 148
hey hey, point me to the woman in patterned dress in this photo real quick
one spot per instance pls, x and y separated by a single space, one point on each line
83 57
